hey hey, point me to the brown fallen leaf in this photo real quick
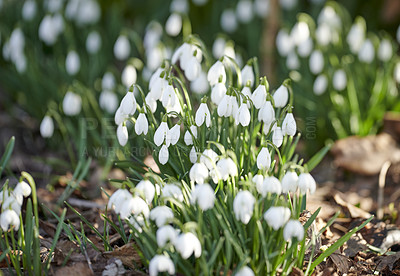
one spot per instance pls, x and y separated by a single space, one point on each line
354 211
354 245
341 262
74 269
387 263
127 254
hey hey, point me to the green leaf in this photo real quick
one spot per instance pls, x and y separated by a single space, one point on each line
7 154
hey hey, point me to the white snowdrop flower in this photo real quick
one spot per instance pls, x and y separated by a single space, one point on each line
292 61
218 92
226 167
293 229
147 189
151 103
193 155
397 72
158 87
356 36
229 51
169 96
13 203
244 271
215 175
50 27
155 76
218 47
155 56
117 199
224 107
29 10
134 206
385 51
108 101
142 125
179 6
200 85
228 21
129 75
193 69
203 115
166 234
188 136
174 133
108 81
209 158
161 215
187 244
161 134
7 218
173 191
258 180
289 125
300 32
243 115
22 189
284 43
263 159
316 62
323 34
320 85
173 26
163 155
259 96
339 80
247 74
329 16
119 116
89 12
204 196
122 47
198 173
47 127
93 42
276 217
72 104
367 52
128 103
122 134
277 137
176 56
271 184
72 63
304 48
243 206
244 11
216 71
189 55
267 113
289 182
159 264
288 4
306 182
246 92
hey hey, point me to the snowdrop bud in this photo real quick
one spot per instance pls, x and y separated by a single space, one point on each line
173 25
7 218
259 96
215 72
93 42
72 63
166 234
198 173
356 36
173 191
128 104
159 264
276 217
146 188
316 62
306 182
188 136
193 69
163 155
226 167
129 75
200 84
122 47
289 125
367 52
281 96
293 229
203 115
72 104
122 134
263 159
320 85
228 21
243 115
284 43
187 244
161 215
142 125
244 271
29 10
244 11
174 134
385 51
204 196
243 206
247 74
47 127
193 155
218 92
271 184
208 158
339 80
304 48
22 189
289 182
108 101
277 137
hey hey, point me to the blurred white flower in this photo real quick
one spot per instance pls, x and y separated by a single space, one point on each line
193 155
147 189
339 80
173 191
385 51
204 196
218 92
134 206
356 36
324 34
47 127
159 264
153 34
259 96
281 96
293 229
244 11
243 115
7 218
72 63
316 62
329 16
122 134
161 215
173 26
128 103
122 47
200 85
216 71
180 6
277 137
261 8
288 4
203 115
396 72
289 125
108 101
93 42
129 75
193 68
320 85
263 159
29 10
50 27
306 182
187 244
209 158
198 173
199 2
367 52
304 49
244 271
289 182
243 206
300 32
163 155
247 74
276 217
108 81
188 136
284 43
166 234
218 47
292 61
53 6
226 167
72 104
229 21
258 180
84 12
270 184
